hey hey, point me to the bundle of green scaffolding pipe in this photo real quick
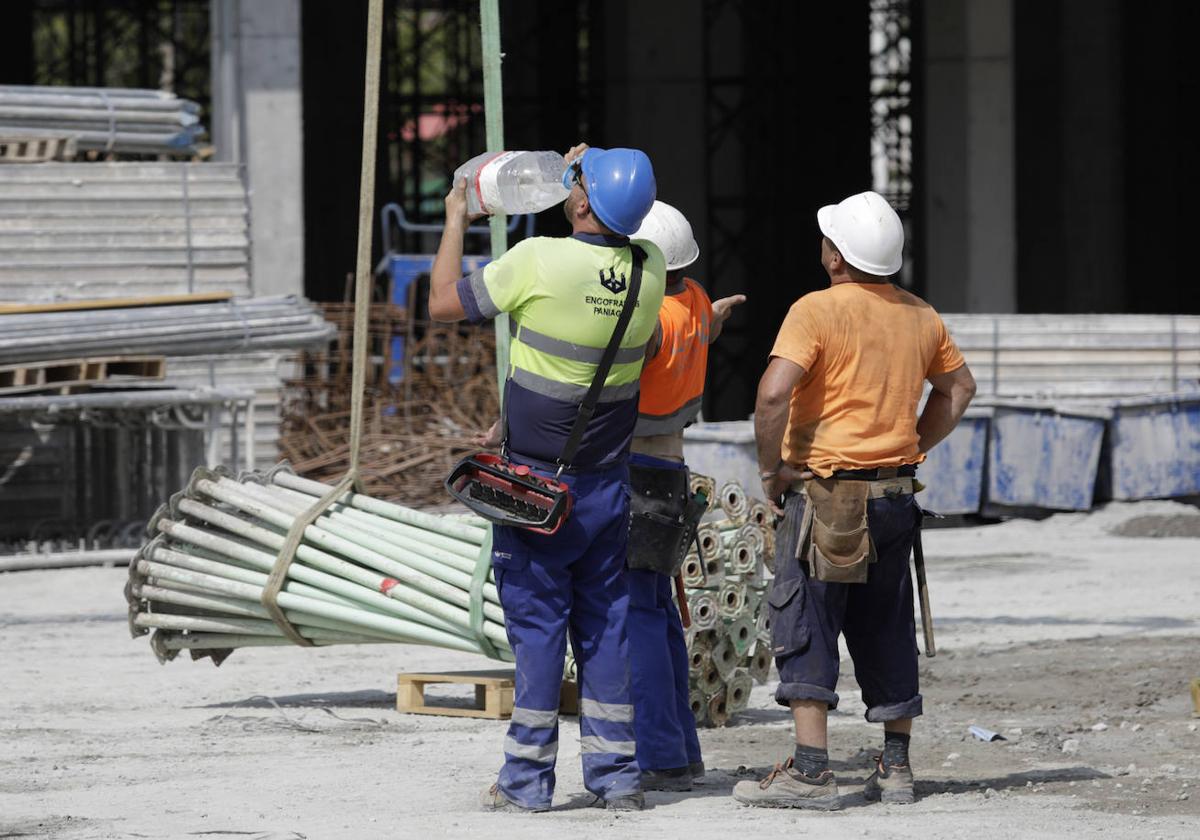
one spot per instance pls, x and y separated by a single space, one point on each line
366 571
372 572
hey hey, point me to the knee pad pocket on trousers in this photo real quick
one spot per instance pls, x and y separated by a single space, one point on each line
789 631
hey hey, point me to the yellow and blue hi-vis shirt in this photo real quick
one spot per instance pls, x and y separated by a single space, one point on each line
563 296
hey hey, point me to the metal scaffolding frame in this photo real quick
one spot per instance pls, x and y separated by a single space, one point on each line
85 471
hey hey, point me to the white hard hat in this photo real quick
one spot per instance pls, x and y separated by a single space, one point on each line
867 232
667 228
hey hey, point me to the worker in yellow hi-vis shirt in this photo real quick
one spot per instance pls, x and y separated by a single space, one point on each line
564 297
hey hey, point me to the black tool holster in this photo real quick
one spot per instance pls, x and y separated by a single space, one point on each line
664 517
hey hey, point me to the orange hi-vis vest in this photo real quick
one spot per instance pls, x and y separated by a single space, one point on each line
672 382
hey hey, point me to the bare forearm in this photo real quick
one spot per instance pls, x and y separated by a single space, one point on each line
446 271
770 424
941 414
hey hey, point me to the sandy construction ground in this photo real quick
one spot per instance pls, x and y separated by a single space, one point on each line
1074 642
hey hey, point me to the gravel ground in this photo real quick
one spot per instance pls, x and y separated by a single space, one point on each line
1074 638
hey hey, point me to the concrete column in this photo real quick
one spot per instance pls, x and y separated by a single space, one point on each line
970 210
257 122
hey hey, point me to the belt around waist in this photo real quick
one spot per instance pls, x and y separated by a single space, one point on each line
876 473
877 488
574 469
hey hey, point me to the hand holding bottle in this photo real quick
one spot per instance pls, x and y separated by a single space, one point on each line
456 204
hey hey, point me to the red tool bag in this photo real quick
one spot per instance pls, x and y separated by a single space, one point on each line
512 494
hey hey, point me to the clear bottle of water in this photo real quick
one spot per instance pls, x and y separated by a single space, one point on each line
513 182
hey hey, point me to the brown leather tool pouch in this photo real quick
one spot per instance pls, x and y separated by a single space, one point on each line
840 547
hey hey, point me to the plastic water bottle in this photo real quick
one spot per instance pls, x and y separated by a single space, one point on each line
513 182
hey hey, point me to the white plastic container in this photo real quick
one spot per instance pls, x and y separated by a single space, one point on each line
513 182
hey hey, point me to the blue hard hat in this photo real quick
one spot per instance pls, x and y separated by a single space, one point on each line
620 186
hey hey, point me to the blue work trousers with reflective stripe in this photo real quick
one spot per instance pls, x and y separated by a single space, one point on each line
571 581
666 727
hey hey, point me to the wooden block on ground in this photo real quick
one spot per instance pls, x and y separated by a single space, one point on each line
494 692
1196 696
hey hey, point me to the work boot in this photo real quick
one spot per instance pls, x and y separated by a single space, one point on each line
673 779
696 768
628 802
493 799
893 785
786 787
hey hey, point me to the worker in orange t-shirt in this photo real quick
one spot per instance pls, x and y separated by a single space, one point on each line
839 439
672 383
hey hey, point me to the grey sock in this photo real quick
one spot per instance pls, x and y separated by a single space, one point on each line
811 761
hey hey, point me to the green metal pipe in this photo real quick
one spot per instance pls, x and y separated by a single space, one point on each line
469 551
412 632
493 118
213 624
337 567
426 521
415 554
225 641
410 609
402 565
425 604
290 586
242 609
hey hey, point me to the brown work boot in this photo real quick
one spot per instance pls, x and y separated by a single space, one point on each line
893 785
786 787
493 799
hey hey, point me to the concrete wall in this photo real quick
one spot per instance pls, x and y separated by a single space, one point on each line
970 209
257 121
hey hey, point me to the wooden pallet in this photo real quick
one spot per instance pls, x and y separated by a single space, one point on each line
36 150
494 691
61 376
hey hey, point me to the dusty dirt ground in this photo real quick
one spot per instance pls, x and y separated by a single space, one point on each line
1075 644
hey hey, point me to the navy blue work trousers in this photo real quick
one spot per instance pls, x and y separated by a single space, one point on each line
573 582
876 617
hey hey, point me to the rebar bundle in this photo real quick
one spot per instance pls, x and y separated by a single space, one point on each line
366 571
231 326
128 120
422 410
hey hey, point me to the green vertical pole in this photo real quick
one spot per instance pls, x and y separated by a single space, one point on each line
493 111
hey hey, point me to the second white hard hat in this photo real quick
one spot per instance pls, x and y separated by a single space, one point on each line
867 232
667 228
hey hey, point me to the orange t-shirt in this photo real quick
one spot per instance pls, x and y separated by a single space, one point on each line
673 381
867 350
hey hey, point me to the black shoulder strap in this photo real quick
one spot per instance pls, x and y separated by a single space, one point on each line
588 407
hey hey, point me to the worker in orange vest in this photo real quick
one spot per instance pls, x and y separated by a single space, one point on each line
672 383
